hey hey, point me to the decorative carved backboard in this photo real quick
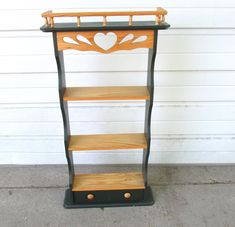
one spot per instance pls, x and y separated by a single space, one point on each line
105 41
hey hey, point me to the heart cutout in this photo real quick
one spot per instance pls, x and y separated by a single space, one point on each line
105 41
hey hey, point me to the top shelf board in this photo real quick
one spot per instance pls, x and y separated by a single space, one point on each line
131 24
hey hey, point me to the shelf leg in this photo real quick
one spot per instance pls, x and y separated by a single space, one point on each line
149 105
64 110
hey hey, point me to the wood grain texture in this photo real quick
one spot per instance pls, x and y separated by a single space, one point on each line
106 93
108 181
117 40
107 142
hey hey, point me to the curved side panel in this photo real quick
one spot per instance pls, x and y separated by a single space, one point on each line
64 107
149 106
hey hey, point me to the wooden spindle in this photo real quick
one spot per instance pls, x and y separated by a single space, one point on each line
130 20
52 22
78 21
46 21
104 20
158 19
49 21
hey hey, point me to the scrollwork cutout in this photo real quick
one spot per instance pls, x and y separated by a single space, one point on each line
105 41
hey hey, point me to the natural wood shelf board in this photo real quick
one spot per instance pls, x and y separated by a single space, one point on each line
108 181
107 142
106 93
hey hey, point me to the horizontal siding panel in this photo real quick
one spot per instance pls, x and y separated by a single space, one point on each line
158 128
163 94
109 62
113 104
92 4
56 145
180 112
171 78
178 18
42 45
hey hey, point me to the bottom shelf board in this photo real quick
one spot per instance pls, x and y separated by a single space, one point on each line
108 181
147 200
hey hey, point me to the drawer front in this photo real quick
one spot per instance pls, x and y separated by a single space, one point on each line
92 197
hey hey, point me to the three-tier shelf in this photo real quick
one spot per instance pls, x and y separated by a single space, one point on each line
106 189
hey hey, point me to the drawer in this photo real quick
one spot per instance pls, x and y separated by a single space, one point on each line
111 196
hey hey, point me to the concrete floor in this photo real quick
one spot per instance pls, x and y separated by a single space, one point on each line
184 196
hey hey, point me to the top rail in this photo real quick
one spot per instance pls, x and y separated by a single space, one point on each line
159 15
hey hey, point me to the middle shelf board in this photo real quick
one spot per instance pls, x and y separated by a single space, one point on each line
107 142
106 93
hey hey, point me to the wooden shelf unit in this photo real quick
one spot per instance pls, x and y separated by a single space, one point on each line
106 189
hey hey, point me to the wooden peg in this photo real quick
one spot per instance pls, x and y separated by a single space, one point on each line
90 196
127 195
130 20
104 20
78 21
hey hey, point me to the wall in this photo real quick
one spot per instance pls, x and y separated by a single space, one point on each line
194 110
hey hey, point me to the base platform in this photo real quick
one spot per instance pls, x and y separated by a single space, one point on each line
147 200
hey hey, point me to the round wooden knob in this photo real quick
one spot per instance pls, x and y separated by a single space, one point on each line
127 195
90 196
